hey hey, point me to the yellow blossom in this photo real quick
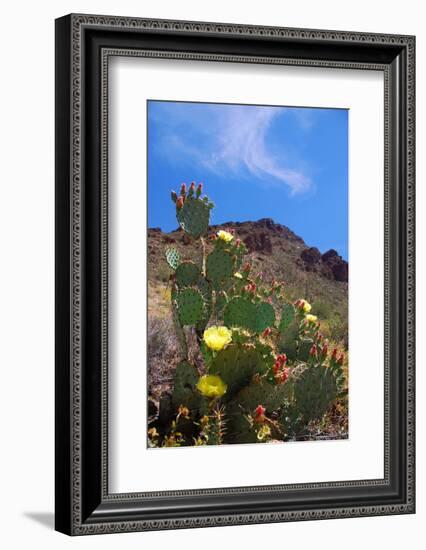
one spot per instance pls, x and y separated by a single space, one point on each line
216 338
264 432
238 275
225 236
304 305
311 318
211 385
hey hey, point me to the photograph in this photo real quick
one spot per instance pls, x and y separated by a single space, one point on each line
248 269
234 272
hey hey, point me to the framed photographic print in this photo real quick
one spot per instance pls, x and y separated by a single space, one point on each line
234 274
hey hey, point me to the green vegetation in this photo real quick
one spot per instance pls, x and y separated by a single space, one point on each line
252 363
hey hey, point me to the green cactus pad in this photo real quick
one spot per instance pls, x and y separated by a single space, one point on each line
172 257
240 312
190 306
271 396
184 388
288 340
219 268
239 429
287 317
194 217
314 392
206 292
205 288
236 364
220 303
187 274
265 316
304 347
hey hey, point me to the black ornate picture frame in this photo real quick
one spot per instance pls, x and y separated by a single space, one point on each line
84 43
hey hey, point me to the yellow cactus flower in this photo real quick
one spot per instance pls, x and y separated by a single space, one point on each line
225 236
303 305
311 318
264 432
211 385
238 275
217 338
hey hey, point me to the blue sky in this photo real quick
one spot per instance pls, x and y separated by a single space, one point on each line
285 163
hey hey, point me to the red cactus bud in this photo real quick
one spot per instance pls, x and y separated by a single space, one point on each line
183 189
334 353
313 350
237 242
266 332
179 202
284 375
259 413
246 267
213 237
232 231
341 359
199 189
281 359
324 350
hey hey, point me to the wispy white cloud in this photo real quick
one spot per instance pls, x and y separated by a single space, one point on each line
232 140
242 145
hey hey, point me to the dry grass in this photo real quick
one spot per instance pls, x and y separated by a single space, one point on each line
162 355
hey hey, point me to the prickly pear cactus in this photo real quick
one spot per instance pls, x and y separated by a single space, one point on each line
206 292
314 391
221 300
273 368
185 380
289 340
190 306
240 312
304 348
265 316
271 396
194 217
287 316
172 257
187 274
219 267
239 428
236 364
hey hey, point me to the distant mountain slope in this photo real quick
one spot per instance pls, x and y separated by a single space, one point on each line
276 251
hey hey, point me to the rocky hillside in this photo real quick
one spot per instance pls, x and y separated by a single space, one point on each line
279 253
